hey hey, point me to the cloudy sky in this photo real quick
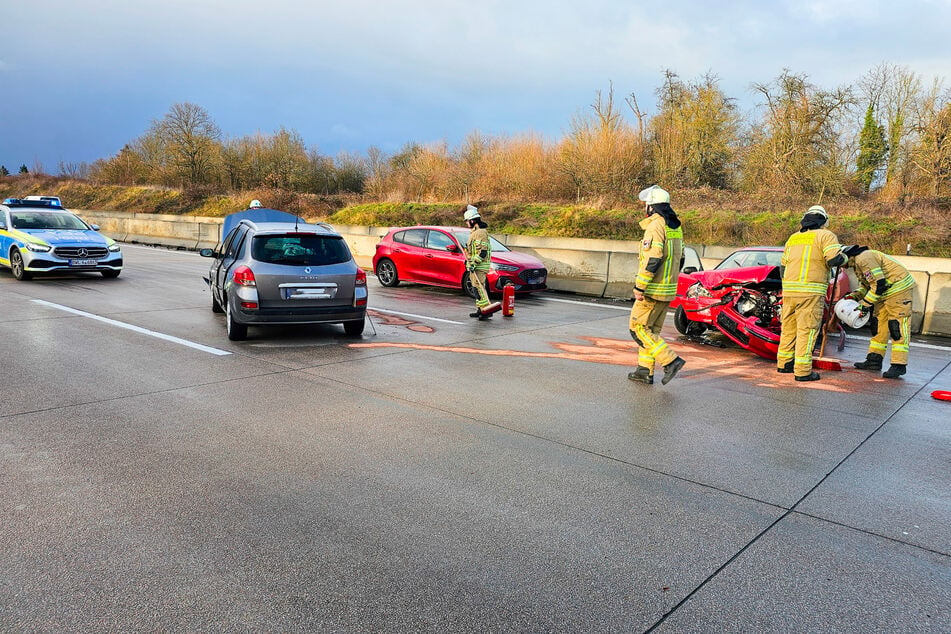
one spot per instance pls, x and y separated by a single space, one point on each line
81 79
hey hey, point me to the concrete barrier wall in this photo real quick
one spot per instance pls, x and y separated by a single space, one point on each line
601 268
937 318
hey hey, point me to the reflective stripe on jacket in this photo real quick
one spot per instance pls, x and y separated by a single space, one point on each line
871 266
660 241
805 259
479 242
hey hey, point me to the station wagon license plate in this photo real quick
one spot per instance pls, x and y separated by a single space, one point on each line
308 293
82 263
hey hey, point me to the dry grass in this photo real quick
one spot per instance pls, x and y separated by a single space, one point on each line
713 217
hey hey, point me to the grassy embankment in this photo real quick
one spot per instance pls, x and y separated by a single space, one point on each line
710 217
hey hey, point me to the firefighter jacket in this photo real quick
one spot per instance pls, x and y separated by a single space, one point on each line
805 259
880 276
658 280
479 250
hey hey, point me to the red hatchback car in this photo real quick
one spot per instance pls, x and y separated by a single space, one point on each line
435 256
741 297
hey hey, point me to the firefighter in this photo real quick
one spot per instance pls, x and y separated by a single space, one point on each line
255 204
887 287
478 258
656 286
807 259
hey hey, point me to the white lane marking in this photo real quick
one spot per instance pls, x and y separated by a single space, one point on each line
589 304
151 333
394 312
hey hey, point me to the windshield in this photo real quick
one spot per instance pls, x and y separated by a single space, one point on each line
750 257
46 220
462 235
300 249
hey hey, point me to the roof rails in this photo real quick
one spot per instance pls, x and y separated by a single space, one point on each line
254 225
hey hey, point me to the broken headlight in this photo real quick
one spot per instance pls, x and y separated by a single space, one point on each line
698 290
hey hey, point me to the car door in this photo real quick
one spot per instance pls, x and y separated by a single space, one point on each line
412 261
5 239
224 262
445 267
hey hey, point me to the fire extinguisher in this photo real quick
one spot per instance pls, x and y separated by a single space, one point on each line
508 300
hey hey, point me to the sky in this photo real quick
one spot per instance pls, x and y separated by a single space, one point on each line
82 79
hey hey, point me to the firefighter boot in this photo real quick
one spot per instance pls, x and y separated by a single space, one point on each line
788 368
812 376
641 375
478 313
895 371
671 370
872 362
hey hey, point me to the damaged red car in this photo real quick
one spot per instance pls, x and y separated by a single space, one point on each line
741 297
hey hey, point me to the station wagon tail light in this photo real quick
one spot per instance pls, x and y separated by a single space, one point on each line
360 289
243 276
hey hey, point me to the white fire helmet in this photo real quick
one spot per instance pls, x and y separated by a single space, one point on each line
847 310
653 195
818 209
255 204
471 213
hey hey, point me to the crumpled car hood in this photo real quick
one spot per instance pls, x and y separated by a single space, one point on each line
744 275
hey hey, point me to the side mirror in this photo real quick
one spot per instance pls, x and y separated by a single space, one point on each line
689 269
452 248
207 253
95 227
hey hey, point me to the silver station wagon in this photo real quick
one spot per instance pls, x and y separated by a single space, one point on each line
274 268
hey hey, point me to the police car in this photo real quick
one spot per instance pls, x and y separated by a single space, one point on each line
39 236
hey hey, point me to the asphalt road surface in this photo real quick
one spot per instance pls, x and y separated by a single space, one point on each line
444 474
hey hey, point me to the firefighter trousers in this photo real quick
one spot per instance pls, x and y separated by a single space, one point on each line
801 322
894 318
477 278
647 318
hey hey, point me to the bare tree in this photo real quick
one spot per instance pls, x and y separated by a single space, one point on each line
798 147
77 171
191 141
931 155
602 155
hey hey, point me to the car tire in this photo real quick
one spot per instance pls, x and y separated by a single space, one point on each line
18 267
468 289
110 274
685 325
386 272
354 328
215 304
236 331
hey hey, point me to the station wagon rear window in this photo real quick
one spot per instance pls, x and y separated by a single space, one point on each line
300 249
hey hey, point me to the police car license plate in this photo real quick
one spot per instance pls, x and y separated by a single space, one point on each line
82 263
